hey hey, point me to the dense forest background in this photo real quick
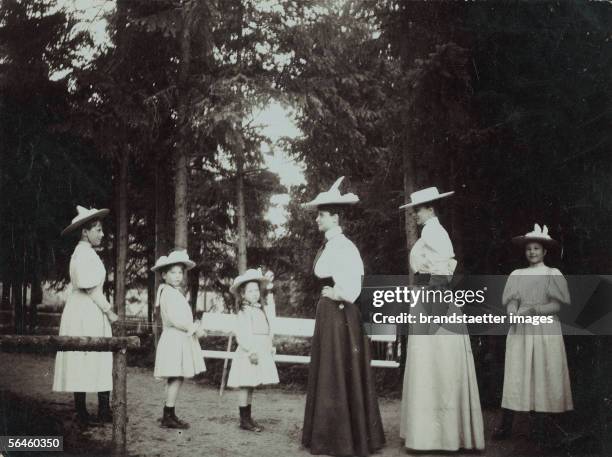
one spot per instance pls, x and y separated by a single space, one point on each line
507 103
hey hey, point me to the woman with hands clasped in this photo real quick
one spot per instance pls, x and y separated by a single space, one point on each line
86 313
536 376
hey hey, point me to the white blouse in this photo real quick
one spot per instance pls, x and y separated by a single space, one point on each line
175 309
433 252
340 260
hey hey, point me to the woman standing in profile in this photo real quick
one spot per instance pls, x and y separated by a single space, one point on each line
440 408
341 416
86 313
536 376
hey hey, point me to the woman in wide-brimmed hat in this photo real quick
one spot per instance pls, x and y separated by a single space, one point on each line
440 408
86 313
342 415
536 376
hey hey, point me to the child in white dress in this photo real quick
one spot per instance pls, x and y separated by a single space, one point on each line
178 355
253 364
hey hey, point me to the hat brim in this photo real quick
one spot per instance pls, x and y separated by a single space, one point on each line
188 264
522 240
314 204
100 214
234 287
422 202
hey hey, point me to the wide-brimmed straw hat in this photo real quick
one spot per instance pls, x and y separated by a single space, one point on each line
174 258
83 216
248 276
539 235
429 194
332 197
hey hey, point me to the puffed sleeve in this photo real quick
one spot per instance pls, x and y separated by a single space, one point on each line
511 290
171 311
243 331
348 272
557 288
436 238
86 269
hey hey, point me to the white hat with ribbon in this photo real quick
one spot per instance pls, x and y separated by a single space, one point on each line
426 195
248 276
174 258
538 234
332 197
83 216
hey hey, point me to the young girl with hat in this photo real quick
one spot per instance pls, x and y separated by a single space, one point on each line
253 364
86 313
536 376
178 355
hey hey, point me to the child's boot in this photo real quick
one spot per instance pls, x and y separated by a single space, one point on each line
181 423
258 427
169 419
245 421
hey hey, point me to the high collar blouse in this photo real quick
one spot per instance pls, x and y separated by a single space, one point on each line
340 260
433 252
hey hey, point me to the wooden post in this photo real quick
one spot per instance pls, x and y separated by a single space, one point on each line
119 446
54 343
120 345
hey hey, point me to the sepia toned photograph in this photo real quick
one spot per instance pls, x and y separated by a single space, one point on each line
305 227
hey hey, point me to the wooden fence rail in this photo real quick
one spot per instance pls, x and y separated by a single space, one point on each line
118 345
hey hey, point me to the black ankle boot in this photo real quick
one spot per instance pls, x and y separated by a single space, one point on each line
504 431
105 415
182 424
253 423
538 428
245 421
169 419
83 416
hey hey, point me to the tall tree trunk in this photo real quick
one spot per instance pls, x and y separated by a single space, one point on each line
121 181
18 305
121 238
181 204
193 279
410 225
240 213
6 292
242 231
163 226
36 294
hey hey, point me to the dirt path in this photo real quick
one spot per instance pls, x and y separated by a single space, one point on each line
214 420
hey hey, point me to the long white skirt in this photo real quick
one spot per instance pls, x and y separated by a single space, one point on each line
440 400
83 371
536 377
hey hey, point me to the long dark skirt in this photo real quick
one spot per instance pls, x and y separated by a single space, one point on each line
342 416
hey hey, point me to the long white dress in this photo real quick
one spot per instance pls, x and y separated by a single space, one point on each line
536 377
84 371
440 400
253 334
178 351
